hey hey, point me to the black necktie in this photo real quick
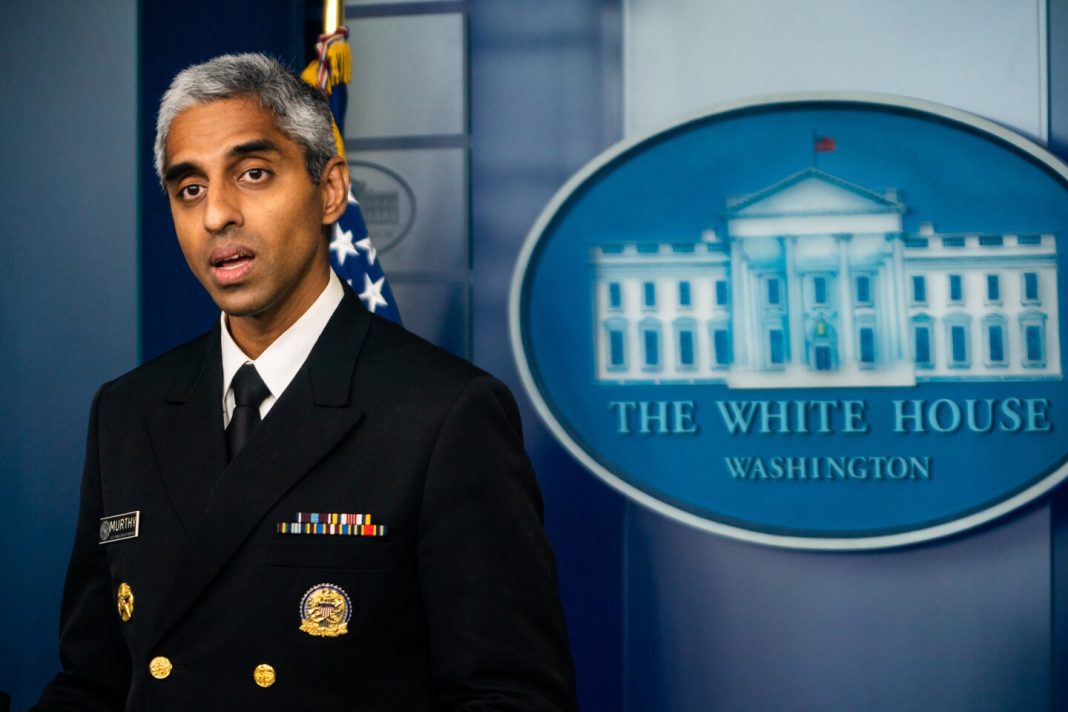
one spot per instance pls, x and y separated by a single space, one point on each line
249 392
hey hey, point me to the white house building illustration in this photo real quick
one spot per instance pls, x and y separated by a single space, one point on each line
815 284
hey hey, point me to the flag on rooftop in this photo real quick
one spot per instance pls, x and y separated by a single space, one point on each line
824 144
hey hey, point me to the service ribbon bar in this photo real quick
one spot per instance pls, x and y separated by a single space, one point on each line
332 524
332 518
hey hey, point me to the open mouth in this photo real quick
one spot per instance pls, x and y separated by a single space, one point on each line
230 263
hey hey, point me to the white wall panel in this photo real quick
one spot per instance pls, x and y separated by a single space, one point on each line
417 64
983 56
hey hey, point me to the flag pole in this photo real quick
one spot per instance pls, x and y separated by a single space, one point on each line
333 15
332 67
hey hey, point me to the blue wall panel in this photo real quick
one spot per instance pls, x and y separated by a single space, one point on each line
958 624
545 99
68 290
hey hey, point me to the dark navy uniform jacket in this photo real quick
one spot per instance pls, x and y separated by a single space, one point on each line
455 608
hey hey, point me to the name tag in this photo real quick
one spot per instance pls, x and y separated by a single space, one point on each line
119 526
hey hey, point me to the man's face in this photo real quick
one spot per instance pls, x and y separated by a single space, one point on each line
249 219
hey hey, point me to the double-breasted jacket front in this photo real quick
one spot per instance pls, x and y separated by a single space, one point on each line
455 607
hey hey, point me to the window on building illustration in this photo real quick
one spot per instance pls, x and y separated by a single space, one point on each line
991 241
995 336
1030 287
776 346
615 295
649 294
1034 336
1034 343
922 344
919 289
819 290
617 354
721 347
995 344
993 288
684 294
822 356
867 345
774 288
687 358
721 292
956 288
651 347
863 284
957 336
616 341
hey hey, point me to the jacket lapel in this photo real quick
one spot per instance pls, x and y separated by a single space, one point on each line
312 415
187 433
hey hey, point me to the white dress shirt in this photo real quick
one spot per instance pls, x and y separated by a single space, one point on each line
280 362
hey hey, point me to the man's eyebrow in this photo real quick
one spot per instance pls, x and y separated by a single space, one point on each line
261 145
180 170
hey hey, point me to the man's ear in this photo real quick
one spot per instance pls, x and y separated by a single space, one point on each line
334 188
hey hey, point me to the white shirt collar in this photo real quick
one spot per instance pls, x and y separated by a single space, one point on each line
283 358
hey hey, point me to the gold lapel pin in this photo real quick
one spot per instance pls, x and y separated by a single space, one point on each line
125 601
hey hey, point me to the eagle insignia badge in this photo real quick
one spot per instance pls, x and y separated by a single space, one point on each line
325 611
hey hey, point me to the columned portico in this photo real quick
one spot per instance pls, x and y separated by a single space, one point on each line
796 357
899 287
743 347
846 332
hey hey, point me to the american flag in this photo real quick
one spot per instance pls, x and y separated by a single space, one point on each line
824 144
356 262
352 255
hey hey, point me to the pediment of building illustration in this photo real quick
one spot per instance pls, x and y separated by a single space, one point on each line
812 192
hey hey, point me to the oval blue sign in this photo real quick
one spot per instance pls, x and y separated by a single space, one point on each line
826 321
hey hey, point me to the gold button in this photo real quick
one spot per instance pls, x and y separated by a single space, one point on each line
160 667
264 675
125 601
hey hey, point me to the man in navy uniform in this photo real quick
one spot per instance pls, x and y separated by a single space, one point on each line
307 507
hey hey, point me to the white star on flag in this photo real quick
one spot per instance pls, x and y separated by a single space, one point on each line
365 244
372 293
342 245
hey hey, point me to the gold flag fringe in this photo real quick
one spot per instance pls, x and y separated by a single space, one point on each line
339 60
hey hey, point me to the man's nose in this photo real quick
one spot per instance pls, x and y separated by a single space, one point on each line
221 210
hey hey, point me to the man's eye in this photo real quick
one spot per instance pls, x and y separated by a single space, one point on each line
190 191
256 174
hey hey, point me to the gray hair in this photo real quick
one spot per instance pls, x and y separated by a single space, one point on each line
301 111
